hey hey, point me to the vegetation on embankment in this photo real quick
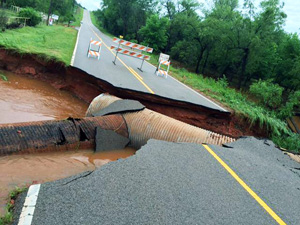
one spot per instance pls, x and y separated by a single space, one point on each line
77 16
50 42
243 107
8 217
97 23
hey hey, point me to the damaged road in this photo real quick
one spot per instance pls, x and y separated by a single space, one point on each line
177 183
87 87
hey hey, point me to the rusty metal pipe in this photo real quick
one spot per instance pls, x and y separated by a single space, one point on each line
56 135
147 124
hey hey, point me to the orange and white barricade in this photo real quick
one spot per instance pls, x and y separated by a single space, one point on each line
164 59
130 53
131 49
132 45
94 49
161 71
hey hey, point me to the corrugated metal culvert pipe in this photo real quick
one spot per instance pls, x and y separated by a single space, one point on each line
147 124
56 135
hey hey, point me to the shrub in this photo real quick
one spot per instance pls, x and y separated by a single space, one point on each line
3 19
288 109
267 93
34 17
290 141
154 33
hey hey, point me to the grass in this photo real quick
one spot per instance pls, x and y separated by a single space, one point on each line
3 77
8 217
98 25
50 42
78 17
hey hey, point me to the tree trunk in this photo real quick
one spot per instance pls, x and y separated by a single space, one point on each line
205 61
244 64
49 12
199 61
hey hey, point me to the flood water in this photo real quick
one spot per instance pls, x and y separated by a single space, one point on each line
23 99
23 170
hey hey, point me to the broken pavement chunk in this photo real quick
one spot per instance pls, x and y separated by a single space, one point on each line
121 106
109 140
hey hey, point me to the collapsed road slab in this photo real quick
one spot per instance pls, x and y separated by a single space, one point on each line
107 140
170 183
121 106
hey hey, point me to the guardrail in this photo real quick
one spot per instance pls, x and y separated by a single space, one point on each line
18 18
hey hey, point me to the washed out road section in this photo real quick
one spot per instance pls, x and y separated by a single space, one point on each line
125 74
170 183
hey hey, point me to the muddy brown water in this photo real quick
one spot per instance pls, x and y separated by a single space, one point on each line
23 170
23 99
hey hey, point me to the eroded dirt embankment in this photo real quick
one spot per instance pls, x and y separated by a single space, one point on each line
87 87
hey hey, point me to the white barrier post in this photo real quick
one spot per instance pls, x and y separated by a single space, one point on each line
114 62
142 64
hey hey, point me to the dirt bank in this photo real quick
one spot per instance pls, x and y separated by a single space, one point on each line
86 87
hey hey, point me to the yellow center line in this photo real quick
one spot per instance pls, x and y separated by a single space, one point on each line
137 76
133 71
245 186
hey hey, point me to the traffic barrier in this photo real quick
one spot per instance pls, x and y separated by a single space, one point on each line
160 70
133 45
92 51
132 52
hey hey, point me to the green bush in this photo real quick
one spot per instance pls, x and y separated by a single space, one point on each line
154 33
267 93
290 141
34 17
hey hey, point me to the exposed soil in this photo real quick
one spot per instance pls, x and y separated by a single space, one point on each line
86 87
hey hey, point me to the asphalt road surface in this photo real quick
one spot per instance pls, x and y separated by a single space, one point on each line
179 183
125 73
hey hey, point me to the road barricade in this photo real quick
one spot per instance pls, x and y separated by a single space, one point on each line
94 49
163 60
161 71
131 49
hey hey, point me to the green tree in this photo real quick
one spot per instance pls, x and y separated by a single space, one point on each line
154 33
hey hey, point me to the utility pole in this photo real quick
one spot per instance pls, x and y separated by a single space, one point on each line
49 12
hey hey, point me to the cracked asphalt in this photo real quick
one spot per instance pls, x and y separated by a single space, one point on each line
177 183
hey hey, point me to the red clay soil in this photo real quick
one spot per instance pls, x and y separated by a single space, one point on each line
87 87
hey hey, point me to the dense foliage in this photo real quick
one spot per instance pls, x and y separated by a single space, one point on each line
242 47
34 17
245 45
